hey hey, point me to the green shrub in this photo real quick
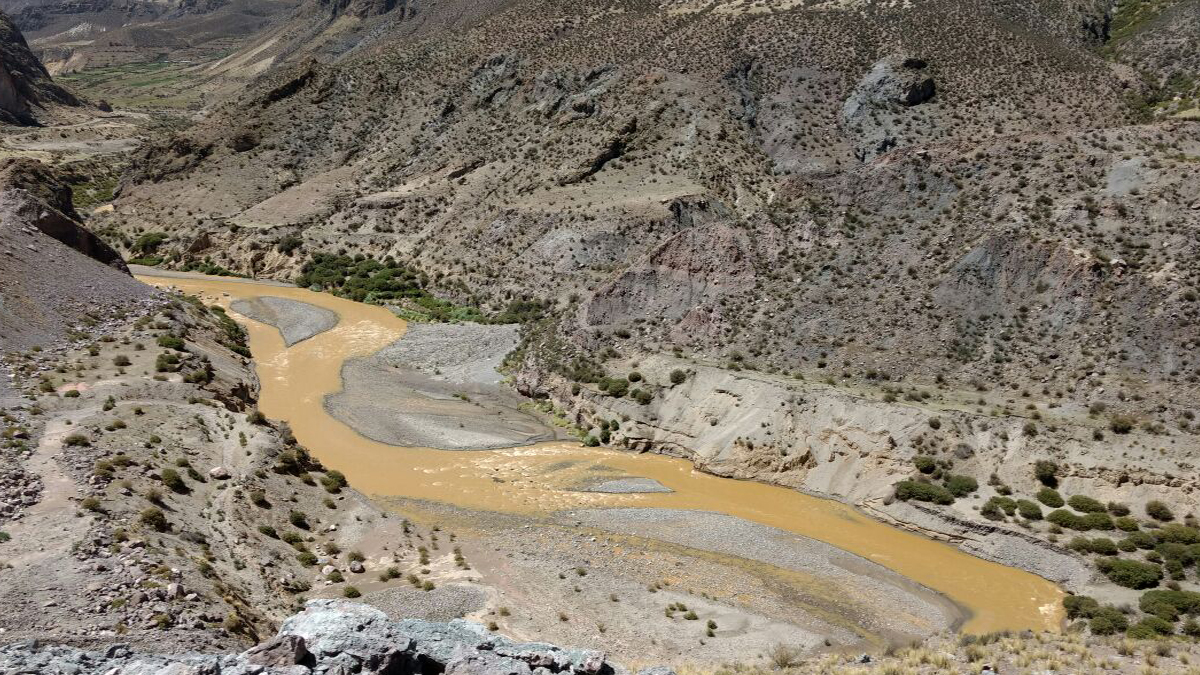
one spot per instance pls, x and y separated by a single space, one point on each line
1080 606
173 481
333 481
269 531
1130 573
76 440
924 463
678 376
1046 472
1149 628
1086 504
961 486
171 342
1126 524
1098 521
1064 518
1108 621
155 519
1143 540
351 592
1170 604
991 510
923 492
306 558
1159 511
1103 546
1050 497
1178 534
298 519
1118 509
1029 510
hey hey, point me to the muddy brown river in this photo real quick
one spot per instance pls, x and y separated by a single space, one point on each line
295 381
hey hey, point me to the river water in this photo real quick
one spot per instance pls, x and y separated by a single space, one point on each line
535 479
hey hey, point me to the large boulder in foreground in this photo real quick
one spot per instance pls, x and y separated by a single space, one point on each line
334 636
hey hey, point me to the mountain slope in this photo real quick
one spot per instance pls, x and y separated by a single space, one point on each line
26 90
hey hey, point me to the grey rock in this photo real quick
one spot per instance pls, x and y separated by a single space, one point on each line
333 637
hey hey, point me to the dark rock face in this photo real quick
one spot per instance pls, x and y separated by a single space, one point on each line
335 636
25 85
51 210
874 111
53 271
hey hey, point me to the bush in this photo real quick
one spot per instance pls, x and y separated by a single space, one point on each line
1064 518
90 503
1108 621
307 558
923 492
334 481
1178 534
171 342
351 592
155 519
1159 511
1046 472
1130 573
268 531
1086 504
1149 628
617 388
1080 606
1118 509
1103 546
173 481
120 360
1121 424
961 486
76 440
1029 510
924 463
678 376
1098 521
298 519
1050 497
1170 604
1126 524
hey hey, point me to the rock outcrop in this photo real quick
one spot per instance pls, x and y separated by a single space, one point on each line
333 636
53 271
25 86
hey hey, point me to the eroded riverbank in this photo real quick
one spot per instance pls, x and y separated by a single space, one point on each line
538 479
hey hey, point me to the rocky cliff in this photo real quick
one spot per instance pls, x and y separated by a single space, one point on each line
55 275
26 90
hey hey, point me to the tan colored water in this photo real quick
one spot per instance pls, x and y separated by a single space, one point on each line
528 480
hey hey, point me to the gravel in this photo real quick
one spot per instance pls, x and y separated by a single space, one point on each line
895 601
297 321
437 387
628 485
444 603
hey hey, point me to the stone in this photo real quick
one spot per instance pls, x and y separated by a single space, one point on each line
218 473
284 650
357 567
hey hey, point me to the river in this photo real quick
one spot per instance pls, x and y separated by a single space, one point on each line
294 382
